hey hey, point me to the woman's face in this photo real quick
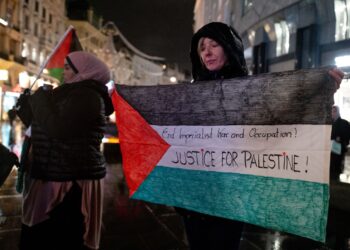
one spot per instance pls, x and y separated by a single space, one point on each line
68 72
211 54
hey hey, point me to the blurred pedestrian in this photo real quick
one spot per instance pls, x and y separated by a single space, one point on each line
340 141
217 53
12 134
62 205
338 231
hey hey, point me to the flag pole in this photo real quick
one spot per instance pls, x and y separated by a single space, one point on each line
49 57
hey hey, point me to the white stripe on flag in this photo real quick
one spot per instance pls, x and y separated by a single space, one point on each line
299 152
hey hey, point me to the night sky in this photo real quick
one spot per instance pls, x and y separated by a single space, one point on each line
156 27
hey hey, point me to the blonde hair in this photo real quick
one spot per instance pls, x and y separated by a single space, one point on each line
200 42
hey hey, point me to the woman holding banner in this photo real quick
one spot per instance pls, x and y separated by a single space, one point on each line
217 53
62 205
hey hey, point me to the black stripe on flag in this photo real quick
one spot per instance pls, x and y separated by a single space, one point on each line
291 97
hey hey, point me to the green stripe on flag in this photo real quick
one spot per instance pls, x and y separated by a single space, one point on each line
293 206
57 73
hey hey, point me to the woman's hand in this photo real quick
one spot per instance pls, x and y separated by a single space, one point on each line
23 109
337 75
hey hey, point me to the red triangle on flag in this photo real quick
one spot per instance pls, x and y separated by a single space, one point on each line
57 58
68 43
141 146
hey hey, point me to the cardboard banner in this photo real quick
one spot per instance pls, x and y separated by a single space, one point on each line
254 149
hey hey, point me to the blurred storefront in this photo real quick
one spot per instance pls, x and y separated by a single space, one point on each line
11 127
13 80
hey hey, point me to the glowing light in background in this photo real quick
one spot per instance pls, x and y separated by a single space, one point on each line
4 75
342 61
3 22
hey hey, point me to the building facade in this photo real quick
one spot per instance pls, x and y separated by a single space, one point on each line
11 61
285 35
11 64
42 25
128 65
91 38
31 29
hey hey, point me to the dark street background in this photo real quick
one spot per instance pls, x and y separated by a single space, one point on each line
136 225
157 27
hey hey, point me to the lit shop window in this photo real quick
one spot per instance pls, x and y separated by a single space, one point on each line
24 79
342 13
282 38
41 57
251 37
246 5
4 75
34 54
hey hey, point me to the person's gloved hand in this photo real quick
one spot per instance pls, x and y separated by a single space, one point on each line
39 95
13 159
39 101
7 161
337 75
23 109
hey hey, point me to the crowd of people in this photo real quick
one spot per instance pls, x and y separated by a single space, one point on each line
62 196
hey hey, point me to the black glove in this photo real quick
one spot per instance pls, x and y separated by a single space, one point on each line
12 115
40 95
7 161
39 102
23 109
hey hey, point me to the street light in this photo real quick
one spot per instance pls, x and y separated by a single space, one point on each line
342 61
3 22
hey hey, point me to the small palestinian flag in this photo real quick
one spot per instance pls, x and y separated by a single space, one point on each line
254 149
55 62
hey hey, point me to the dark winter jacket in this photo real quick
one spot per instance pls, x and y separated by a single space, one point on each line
67 130
232 44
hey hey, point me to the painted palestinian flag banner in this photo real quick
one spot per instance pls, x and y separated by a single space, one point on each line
55 62
254 149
